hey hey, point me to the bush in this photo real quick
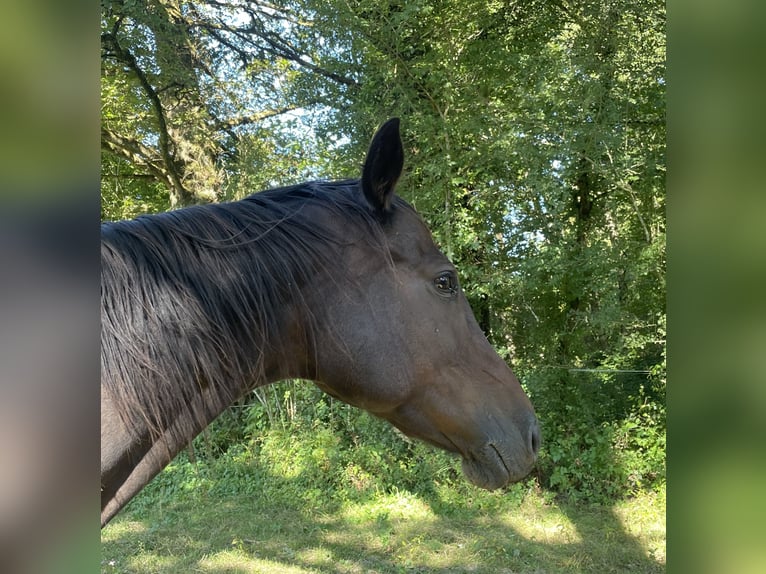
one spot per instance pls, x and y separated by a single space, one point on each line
295 441
599 443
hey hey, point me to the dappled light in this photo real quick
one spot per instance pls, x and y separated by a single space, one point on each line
385 533
245 516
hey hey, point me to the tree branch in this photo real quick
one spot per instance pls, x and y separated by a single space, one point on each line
257 117
171 175
275 46
136 153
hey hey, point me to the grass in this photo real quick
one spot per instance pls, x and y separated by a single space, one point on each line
309 500
448 529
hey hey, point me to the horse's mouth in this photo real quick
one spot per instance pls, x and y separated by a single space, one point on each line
490 468
487 467
499 456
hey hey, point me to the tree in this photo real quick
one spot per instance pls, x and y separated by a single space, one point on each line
187 87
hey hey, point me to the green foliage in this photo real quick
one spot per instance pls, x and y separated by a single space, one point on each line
125 194
298 441
607 462
302 455
326 444
535 143
604 434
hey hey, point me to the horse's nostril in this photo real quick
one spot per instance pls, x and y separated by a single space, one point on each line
534 437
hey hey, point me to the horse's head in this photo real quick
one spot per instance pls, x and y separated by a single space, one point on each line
402 343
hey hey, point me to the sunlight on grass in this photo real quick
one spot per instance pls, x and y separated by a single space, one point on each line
121 529
537 521
239 562
144 562
644 517
391 533
398 527
316 556
399 505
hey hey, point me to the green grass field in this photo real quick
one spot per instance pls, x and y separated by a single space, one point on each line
521 530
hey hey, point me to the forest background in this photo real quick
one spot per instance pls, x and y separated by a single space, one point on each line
534 135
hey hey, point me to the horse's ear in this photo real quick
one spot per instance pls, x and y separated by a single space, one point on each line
383 166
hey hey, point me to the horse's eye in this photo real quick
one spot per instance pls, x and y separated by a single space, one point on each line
446 283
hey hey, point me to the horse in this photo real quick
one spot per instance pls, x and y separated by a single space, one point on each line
337 282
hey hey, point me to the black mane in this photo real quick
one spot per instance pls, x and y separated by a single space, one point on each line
194 298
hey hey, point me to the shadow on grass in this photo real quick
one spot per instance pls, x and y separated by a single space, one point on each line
284 526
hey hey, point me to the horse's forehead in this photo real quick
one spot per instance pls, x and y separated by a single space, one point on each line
409 238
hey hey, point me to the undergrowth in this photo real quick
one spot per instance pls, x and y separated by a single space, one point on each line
300 442
272 487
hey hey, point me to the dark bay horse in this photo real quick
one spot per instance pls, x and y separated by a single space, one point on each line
336 282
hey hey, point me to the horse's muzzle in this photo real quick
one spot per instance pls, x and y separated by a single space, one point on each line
501 462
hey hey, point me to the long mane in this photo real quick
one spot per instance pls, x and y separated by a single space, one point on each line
193 300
